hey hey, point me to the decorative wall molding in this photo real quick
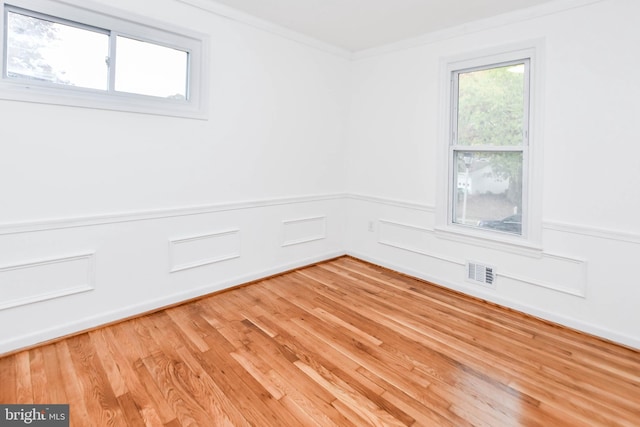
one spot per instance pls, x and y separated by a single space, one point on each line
392 202
114 218
386 237
269 27
585 230
600 233
155 302
415 239
22 284
509 246
580 288
508 18
517 278
205 249
304 230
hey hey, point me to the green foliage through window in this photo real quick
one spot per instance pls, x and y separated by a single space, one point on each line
488 147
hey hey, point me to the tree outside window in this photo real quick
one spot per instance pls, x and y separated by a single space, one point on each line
489 146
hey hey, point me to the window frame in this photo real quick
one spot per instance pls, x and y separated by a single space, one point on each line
529 242
115 23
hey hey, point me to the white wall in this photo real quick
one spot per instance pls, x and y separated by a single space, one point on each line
586 276
116 188
102 213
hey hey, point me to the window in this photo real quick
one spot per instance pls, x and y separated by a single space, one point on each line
78 57
488 147
42 50
149 69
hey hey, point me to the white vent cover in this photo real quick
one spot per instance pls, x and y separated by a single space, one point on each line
480 273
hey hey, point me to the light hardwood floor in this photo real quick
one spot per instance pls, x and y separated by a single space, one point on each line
342 343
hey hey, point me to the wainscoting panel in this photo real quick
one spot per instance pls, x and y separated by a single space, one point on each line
148 260
206 249
45 279
555 272
411 238
303 230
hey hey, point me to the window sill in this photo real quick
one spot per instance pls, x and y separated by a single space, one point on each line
490 240
87 98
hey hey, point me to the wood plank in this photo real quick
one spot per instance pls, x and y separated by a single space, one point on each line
72 386
147 398
519 361
57 395
24 391
38 377
102 405
9 381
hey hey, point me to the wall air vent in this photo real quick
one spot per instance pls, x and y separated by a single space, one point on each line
480 273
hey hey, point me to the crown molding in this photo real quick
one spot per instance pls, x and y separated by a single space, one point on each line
267 26
527 14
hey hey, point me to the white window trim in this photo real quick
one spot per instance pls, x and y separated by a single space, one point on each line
530 242
120 23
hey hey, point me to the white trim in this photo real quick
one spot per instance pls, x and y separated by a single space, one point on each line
147 215
408 226
173 268
114 218
599 233
155 304
577 293
44 296
487 294
532 250
460 262
311 238
124 23
530 241
580 292
509 18
392 202
267 26
470 237
418 251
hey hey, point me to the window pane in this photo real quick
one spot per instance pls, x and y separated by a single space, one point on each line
491 106
47 51
488 190
150 69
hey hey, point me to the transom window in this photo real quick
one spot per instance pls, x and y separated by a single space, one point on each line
40 48
489 147
83 56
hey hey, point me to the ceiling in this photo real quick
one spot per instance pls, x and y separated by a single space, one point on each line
361 24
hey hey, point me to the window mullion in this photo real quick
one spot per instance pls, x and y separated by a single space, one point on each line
112 61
